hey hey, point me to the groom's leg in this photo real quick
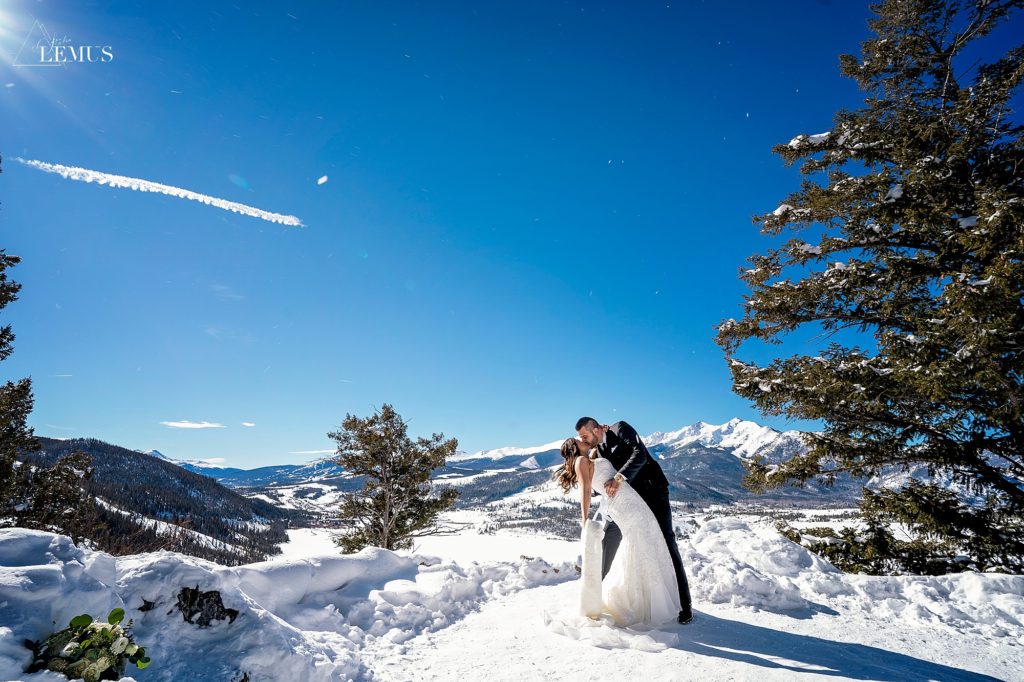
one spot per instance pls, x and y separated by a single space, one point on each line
610 545
659 504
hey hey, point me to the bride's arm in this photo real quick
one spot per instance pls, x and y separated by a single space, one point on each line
585 476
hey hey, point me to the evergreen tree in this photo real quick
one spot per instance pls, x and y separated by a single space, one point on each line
918 198
15 402
396 503
54 498
46 498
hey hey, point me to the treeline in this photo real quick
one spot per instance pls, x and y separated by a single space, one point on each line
118 534
141 488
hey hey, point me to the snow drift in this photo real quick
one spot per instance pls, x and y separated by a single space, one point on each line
299 619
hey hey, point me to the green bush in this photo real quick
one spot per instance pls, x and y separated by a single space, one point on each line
90 649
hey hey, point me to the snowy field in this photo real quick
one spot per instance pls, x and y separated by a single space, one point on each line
470 607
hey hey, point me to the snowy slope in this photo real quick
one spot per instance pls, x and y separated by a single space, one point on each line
300 619
766 610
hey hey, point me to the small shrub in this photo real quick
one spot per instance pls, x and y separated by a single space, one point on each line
90 649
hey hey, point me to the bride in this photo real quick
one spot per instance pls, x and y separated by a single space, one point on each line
640 587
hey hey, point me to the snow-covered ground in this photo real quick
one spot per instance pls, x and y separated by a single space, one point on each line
464 548
468 607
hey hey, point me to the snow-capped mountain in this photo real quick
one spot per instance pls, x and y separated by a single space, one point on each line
502 453
703 462
744 438
191 464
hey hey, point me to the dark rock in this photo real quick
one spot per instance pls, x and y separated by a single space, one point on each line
206 605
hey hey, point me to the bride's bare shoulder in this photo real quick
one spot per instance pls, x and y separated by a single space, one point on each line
583 465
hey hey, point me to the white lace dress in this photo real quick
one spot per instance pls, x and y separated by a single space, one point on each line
640 587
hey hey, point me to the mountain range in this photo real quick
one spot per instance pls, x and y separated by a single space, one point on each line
703 462
145 503
232 514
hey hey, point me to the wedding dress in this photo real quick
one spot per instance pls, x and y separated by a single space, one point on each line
640 587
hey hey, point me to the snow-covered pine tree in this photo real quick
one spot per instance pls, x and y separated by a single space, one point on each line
396 503
919 198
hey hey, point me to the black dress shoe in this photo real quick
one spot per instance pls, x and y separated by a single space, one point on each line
685 616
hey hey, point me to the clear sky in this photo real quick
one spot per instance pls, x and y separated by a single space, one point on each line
534 211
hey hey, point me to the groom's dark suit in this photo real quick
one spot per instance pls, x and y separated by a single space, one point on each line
628 454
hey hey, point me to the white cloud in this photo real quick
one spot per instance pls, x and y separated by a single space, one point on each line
213 460
193 425
140 185
248 423
62 376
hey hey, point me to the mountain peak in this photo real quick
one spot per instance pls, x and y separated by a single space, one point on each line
743 436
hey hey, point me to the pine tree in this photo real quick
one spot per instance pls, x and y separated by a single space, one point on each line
47 498
15 402
396 503
54 498
919 201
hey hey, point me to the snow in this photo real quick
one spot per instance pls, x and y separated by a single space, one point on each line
819 138
165 528
300 618
499 453
895 192
456 480
766 609
746 437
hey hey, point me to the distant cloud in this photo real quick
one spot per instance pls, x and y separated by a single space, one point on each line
62 376
248 423
213 460
225 293
60 428
193 425
312 452
139 185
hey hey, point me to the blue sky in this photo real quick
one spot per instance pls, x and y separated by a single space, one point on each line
534 211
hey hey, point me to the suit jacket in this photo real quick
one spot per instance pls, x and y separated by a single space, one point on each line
628 454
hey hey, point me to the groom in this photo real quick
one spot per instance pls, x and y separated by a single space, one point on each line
620 445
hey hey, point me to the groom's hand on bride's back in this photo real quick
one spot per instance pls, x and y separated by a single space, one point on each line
611 487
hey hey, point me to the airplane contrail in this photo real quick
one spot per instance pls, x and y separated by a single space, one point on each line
139 185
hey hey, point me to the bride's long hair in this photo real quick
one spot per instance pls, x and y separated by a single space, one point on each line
566 476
